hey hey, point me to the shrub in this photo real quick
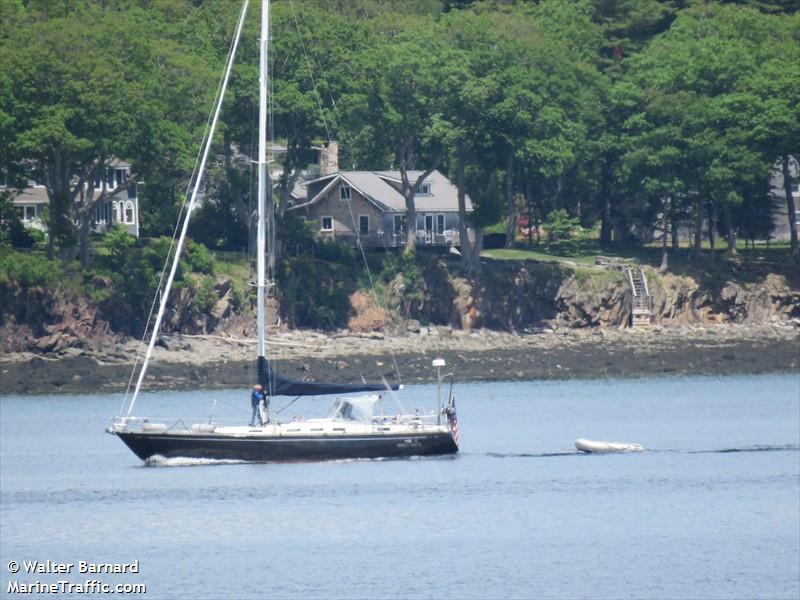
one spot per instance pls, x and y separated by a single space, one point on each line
336 252
564 233
119 243
199 258
29 270
315 293
205 298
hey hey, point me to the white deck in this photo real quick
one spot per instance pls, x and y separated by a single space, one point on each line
355 416
331 427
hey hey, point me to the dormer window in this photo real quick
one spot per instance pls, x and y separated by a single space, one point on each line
424 189
344 192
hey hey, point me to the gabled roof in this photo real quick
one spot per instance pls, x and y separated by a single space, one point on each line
37 194
377 188
30 195
444 195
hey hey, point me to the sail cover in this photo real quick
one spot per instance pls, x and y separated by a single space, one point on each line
277 385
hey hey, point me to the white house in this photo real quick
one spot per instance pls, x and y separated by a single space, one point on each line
120 206
780 215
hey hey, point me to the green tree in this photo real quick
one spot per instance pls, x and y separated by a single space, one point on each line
80 95
394 112
692 137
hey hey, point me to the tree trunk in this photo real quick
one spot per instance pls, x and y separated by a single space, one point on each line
664 225
674 231
286 184
60 225
711 219
698 230
537 219
84 222
83 239
84 211
477 247
730 238
409 191
605 204
85 208
468 259
529 198
50 176
790 207
511 220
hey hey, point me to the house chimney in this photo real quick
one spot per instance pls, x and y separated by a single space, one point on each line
329 159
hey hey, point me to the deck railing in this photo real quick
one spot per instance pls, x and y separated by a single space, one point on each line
395 240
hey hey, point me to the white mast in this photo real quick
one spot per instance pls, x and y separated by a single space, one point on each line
263 177
192 202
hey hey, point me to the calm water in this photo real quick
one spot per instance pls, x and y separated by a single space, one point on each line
712 511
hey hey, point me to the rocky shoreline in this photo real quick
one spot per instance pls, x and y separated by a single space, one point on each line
185 362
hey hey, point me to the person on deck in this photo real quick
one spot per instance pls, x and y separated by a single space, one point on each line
255 400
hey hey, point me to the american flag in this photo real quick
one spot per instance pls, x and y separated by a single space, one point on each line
451 416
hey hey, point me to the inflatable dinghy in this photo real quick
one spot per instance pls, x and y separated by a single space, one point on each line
606 447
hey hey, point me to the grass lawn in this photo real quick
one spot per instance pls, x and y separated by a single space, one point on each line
749 265
647 254
539 255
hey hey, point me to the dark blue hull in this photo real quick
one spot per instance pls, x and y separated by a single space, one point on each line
284 449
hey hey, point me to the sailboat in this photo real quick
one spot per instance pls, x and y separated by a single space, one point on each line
356 426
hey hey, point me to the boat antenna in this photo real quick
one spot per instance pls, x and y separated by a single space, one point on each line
192 202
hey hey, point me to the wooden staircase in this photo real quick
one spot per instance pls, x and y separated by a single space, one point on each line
642 302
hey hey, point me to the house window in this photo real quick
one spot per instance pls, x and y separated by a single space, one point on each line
29 213
98 182
440 224
110 178
399 224
424 189
363 224
327 224
129 212
344 192
121 176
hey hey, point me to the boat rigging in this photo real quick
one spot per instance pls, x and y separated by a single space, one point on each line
354 427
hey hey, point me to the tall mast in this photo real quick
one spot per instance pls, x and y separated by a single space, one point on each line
263 177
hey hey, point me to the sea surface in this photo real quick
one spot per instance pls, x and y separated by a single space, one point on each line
710 510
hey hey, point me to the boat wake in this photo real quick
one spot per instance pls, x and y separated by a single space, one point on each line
531 455
779 448
743 449
180 461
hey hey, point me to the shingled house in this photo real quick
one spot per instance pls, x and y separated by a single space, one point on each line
368 205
